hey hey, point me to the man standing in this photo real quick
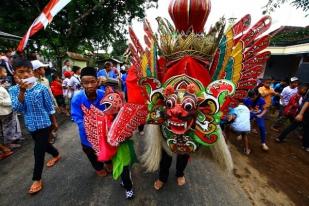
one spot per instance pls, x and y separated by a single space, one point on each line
66 67
106 73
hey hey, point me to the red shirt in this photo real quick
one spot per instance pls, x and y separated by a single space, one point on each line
56 88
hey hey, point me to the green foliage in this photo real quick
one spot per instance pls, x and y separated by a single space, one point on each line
82 25
291 37
274 4
119 48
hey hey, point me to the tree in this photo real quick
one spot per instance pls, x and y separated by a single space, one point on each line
119 48
82 25
274 4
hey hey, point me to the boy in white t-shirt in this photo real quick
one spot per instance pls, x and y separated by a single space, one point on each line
286 94
239 120
74 83
67 94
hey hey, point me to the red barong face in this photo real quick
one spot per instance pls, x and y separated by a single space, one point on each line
189 112
181 108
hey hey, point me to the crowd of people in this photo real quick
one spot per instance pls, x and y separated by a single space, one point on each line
289 98
25 90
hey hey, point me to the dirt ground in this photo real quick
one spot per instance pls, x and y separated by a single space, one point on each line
277 177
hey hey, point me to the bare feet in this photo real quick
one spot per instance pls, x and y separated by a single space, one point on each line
181 181
275 129
53 161
102 173
109 168
36 187
6 154
158 184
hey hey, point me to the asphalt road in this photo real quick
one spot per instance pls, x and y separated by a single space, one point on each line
74 182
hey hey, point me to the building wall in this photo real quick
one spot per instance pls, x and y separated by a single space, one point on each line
282 66
303 72
74 62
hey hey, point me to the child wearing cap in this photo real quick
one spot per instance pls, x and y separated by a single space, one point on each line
39 72
34 101
286 94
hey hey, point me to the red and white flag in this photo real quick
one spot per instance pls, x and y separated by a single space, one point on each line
47 15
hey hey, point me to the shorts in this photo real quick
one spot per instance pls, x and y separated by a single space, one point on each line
60 100
239 132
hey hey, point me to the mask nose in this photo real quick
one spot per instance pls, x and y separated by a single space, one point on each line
176 111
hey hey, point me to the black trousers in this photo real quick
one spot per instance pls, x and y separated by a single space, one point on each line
306 130
293 125
126 178
41 145
141 128
166 162
91 154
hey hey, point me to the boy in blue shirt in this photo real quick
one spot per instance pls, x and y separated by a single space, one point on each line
256 104
91 95
34 101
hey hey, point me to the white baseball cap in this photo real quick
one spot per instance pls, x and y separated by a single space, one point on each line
294 79
37 64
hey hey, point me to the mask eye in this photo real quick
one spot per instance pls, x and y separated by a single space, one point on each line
169 103
188 106
110 98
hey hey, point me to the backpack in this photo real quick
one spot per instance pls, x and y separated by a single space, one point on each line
292 108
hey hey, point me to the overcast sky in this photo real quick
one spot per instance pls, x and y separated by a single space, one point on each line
286 15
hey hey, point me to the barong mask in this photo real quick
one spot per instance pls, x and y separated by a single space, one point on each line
198 74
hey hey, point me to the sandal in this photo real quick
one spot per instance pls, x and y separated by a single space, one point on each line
53 161
102 173
6 154
36 187
158 184
181 181
247 151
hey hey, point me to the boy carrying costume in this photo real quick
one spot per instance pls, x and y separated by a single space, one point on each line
91 95
94 110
